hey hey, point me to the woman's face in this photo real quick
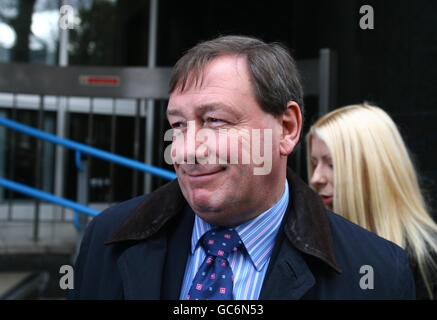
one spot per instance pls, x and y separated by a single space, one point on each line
323 171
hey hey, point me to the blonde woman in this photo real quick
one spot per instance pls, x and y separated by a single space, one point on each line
360 166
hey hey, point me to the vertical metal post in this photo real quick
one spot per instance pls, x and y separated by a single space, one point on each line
63 42
66 133
82 187
13 142
161 128
48 156
90 139
111 165
60 115
136 147
60 151
82 197
3 154
38 168
324 80
150 112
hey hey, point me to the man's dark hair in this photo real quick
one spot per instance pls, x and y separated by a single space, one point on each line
273 72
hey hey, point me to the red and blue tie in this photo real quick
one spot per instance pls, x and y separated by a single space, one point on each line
214 279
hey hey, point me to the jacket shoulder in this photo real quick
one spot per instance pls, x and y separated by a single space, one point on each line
95 260
343 227
357 249
348 234
111 218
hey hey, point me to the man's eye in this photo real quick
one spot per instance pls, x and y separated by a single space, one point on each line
215 121
177 125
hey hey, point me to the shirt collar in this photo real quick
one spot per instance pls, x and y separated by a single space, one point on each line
258 234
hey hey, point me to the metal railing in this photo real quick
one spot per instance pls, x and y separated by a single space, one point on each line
79 148
31 287
36 193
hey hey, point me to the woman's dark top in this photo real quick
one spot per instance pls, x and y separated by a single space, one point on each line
421 290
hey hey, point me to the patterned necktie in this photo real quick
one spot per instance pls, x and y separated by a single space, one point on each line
214 279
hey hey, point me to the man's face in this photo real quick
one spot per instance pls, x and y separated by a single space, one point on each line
224 192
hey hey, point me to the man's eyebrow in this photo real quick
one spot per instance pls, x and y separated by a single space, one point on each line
173 112
200 109
210 107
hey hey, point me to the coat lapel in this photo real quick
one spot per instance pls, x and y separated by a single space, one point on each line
306 231
288 276
179 243
154 269
141 268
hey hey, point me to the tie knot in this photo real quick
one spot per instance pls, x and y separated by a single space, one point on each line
221 242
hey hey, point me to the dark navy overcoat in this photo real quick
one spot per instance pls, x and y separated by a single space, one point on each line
138 249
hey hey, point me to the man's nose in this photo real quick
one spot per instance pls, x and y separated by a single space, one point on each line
192 142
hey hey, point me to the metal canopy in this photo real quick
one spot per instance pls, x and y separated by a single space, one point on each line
137 82
120 82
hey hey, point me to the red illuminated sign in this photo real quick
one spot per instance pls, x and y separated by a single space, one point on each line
106 81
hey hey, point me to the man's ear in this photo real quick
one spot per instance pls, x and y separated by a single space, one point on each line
291 121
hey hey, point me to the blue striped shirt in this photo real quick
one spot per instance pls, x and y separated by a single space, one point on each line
249 263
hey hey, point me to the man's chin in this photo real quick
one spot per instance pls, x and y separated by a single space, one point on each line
208 208
203 201
215 218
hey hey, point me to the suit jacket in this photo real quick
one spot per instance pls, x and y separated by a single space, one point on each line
138 249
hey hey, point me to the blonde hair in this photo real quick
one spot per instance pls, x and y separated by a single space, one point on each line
375 184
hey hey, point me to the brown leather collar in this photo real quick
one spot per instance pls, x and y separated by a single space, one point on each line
307 227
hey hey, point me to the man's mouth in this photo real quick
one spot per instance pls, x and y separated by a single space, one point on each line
202 173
